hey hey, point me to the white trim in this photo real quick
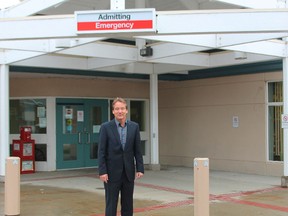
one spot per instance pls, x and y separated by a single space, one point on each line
4 117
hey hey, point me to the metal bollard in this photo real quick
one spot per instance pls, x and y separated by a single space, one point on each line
12 186
201 187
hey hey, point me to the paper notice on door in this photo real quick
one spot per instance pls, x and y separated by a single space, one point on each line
42 122
96 128
80 115
41 112
68 113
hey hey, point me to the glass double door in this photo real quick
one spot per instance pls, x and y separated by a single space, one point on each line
77 131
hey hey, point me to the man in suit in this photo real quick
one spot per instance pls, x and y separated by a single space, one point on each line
118 154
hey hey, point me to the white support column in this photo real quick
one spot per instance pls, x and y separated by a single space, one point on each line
154 138
4 117
117 4
284 181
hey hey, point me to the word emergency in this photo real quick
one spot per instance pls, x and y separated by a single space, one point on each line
114 25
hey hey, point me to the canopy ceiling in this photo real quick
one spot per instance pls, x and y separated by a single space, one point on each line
191 35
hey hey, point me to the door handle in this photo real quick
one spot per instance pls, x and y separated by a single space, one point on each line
79 138
88 138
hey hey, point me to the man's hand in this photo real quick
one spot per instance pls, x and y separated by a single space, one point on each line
104 178
139 175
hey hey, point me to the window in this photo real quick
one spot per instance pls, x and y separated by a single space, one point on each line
28 112
40 152
136 112
275 131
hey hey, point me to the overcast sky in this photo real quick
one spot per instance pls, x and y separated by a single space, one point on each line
7 3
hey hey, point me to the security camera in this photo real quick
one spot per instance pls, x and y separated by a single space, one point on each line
147 51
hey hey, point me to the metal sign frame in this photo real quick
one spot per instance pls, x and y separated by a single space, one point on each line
116 21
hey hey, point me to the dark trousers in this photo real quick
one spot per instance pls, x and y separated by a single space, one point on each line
112 190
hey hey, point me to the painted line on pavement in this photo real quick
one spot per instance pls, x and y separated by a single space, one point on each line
223 197
164 188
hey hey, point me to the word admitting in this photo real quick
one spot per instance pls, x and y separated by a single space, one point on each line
114 17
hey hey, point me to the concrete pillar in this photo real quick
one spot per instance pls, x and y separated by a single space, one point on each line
154 138
12 186
201 187
4 117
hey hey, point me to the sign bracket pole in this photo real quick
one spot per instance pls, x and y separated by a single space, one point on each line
117 4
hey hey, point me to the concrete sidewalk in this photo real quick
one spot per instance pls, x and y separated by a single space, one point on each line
166 192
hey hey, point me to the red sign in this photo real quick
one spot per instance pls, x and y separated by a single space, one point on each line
284 118
115 21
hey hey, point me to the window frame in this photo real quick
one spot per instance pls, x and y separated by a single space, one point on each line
268 105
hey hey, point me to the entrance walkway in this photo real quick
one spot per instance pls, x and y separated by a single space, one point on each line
167 192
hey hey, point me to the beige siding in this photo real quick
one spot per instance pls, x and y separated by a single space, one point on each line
195 120
78 87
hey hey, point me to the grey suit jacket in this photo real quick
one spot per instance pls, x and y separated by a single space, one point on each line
112 159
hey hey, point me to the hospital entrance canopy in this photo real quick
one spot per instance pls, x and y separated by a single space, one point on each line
189 35
36 33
